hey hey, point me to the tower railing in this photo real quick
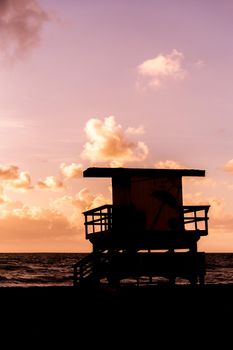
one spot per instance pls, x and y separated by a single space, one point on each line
100 219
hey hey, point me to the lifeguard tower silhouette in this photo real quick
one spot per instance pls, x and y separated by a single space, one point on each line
147 232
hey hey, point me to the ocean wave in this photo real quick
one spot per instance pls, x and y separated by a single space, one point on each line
56 269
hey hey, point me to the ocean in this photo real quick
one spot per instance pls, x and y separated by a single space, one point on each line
56 269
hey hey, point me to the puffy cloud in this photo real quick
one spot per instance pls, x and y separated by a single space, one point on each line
21 22
85 200
50 183
74 206
13 179
72 171
9 172
23 182
229 166
161 67
108 142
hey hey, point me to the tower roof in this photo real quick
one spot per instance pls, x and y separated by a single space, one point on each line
144 172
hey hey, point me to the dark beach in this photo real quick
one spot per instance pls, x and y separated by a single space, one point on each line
55 315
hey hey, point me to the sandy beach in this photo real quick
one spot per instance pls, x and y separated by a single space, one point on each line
135 314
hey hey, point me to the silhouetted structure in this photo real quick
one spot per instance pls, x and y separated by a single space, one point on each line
146 232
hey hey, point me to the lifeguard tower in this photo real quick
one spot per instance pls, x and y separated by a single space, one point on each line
146 232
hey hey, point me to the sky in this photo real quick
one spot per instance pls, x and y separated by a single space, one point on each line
129 83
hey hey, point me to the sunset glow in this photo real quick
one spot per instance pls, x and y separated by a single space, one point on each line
110 83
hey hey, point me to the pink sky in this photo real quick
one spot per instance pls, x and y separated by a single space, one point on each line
107 83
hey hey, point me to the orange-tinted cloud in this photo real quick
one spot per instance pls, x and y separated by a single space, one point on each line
12 178
74 206
72 171
229 166
23 182
9 172
108 142
3 198
220 219
21 22
50 183
37 229
85 200
217 206
169 164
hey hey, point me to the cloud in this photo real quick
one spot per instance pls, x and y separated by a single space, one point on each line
223 224
169 164
9 172
21 23
187 181
229 166
60 227
11 178
135 131
220 220
3 197
72 171
81 201
50 183
108 142
23 182
74 206
217 205
155 70
39 229
200 181
85 200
